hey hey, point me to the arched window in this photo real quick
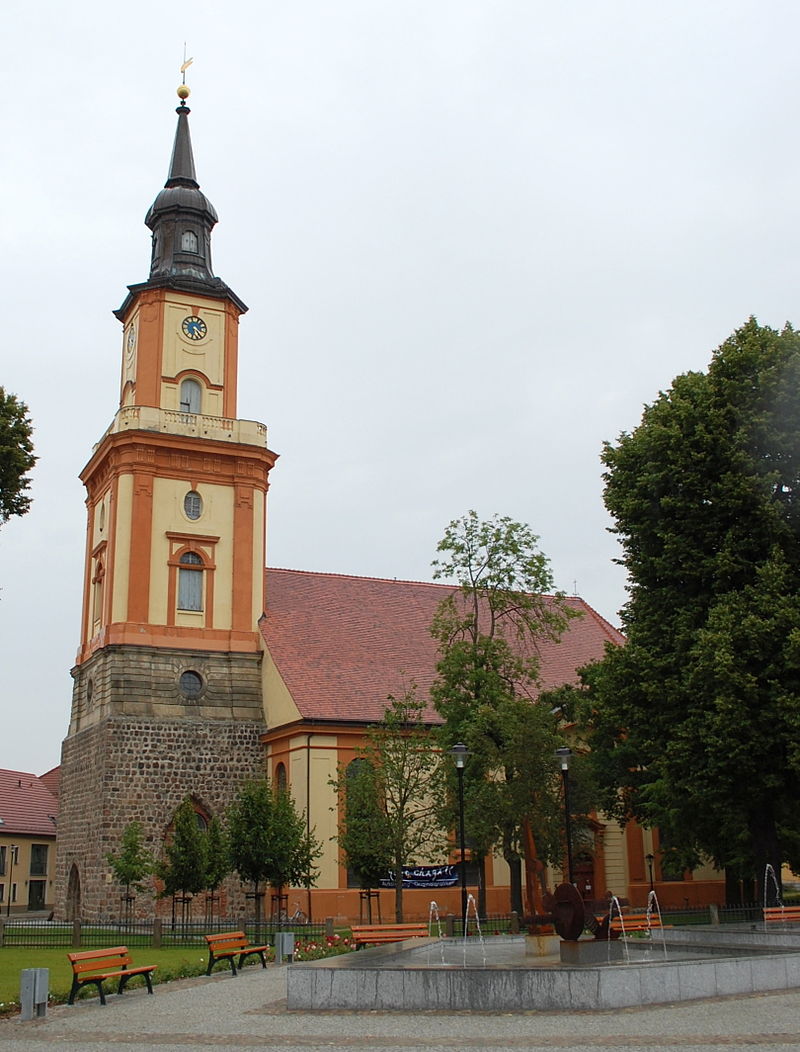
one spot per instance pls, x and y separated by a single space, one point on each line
280 777
190 582
97 592
191 396
189 241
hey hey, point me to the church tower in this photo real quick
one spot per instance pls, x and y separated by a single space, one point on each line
167 694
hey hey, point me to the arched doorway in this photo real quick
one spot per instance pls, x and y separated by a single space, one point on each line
73 905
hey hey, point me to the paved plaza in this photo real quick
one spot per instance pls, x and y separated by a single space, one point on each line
249 1011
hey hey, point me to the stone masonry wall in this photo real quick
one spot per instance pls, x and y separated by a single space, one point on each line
127 768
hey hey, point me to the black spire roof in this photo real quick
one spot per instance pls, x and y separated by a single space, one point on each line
182 218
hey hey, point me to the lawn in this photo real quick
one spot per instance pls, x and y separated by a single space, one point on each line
173 963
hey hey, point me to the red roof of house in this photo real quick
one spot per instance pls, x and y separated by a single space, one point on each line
26 805
343 644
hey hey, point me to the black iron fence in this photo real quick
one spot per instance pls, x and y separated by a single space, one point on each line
17 931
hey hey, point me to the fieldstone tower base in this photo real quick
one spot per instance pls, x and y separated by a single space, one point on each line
128 769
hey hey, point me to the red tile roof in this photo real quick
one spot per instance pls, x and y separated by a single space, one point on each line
343 644
26 805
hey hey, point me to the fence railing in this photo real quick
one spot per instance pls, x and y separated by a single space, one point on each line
156 932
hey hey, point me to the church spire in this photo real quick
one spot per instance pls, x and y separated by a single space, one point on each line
181 219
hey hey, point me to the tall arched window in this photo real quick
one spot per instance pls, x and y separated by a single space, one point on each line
280 777
97 593
190 582
191 396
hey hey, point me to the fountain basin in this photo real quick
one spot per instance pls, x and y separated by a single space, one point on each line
443 975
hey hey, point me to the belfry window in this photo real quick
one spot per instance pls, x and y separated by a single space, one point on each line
191 396
189 241
190 582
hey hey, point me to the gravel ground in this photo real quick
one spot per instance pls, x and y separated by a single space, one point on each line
249 1011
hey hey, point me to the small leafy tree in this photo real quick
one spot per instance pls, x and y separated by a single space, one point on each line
133 863
217 858
16 456
400 751
269 841
184 867
365 834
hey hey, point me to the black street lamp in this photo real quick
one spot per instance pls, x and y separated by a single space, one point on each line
650 859
459 752
564 754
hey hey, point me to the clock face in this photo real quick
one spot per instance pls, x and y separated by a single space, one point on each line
194 327
131 339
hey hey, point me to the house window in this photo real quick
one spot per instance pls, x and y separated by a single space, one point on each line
2 860
189 241
193 505
191 396
38 860
190 582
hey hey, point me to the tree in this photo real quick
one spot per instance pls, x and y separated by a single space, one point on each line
696 719
218 865
488 632
399 751
269 841
185 865
133 863
16 456
364 835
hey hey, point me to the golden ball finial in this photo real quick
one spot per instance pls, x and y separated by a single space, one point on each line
183 91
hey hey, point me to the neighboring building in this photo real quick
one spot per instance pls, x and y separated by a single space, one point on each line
28 809
194 673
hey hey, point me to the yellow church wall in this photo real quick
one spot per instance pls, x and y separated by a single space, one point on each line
616 860
217 521
315 797
122 548
182 355
280 709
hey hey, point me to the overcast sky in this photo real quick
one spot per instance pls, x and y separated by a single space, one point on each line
475 237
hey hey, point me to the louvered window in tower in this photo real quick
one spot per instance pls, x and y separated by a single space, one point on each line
191 396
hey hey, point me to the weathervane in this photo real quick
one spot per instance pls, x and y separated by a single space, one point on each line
183 90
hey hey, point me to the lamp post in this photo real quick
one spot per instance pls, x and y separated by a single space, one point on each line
459 752
650 859
564 754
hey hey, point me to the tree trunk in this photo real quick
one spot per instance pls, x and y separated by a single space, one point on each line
515 883
398 891
767 857
482 886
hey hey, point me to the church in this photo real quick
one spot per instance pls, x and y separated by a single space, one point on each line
198 669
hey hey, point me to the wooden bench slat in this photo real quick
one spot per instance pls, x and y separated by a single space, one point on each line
225 946
91 966
374 934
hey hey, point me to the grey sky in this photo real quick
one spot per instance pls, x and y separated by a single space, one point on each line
474 236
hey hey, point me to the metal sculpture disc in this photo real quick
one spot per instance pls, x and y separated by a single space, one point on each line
568 912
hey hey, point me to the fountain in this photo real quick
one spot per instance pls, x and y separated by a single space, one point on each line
500 974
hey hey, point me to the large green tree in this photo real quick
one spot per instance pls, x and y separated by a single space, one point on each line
16 456
697 718
488 633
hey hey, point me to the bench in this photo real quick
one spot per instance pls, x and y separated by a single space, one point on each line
95 966
378 934
635 921
781 914
231 944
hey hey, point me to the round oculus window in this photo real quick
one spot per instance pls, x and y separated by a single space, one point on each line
193 505
191 683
